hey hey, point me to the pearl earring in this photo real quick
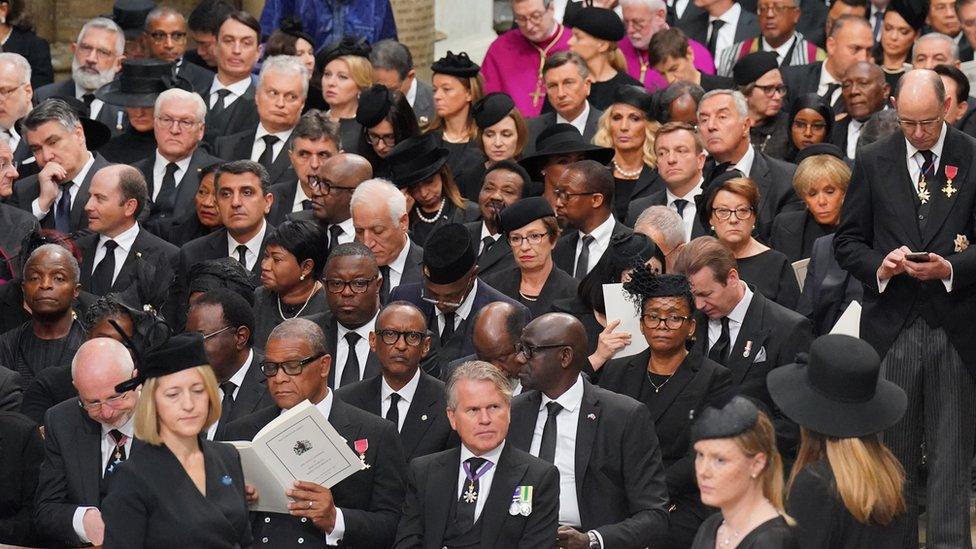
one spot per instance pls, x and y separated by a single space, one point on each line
302 277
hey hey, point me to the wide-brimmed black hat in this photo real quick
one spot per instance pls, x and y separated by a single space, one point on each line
837 391
523 212
131 15
178 353
459 65
599 23
140 82
348 45
491 109
561 139
96 133
374 104
415 159
448 254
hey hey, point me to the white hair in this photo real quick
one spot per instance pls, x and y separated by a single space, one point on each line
739 100
18 62
174 94
653 5
377 189
947 40
288 65
665 221
105 23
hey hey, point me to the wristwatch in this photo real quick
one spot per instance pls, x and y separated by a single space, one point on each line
594 540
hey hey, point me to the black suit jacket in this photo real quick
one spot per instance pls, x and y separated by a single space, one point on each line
774 178
838 134
184 205
547 120
28 189
108 114
413 272
37 51
827 289
199 78
49 387
252 395
370 499
801 79
148 265
425 427
789 234
620 483
21 452
423 104
330 328
432 485
11 390
697 28
284 199
813 17
15 224
564 253
660 198
879 215
497 258
240 115
237 146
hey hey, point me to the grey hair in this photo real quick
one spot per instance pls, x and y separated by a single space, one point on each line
845 20
953 47
389 54
105 23
52 110
174 94
653 5
559 59
56 249
477 370
378 188
739 100
303 329
163 11
19 62
116 352
665 221
285 64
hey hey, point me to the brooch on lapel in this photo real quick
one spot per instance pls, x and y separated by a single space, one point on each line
591 416
423 417
521 501
361 446
950 173
961 243
748 349
226 480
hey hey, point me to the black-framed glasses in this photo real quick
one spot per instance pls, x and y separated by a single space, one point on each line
112 402
528 351
390 337
374 139
534 239
218 332
291 367
652 321
566 195
740 213
357 285
772 89
324 186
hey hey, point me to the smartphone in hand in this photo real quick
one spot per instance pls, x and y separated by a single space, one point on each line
918 257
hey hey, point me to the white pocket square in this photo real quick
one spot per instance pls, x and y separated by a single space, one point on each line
761 355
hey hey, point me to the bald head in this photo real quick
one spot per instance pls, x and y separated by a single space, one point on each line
343 170
557 343
403 311
497 328
101 358
921 97
347 169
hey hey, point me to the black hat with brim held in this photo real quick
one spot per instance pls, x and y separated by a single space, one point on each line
599 23
416 159
837 390
178 353
753 66
560 139
726 419
491 109
374 104
448 254
96 133
140 82
459 65
523 212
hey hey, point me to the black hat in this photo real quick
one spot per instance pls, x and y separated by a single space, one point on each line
600 23
913 12
725 419
818 149
837 390
96 133
292 26
448 254
635 96
644 284
415 159
751 67
140 82
561 139
374 105
349 45
630 249
491 109
178 353
523 212
131 16
224 272
459 65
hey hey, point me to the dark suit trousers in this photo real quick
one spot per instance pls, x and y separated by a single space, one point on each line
941 414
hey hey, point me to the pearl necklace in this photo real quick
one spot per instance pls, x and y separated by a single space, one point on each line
420 213
629 175
307 299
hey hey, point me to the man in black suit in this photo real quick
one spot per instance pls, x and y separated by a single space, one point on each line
314 141
119 254
393 67
204 23
230 98
332 192
865 92
915 191
463 497
669 52
363 509
164 38
379 216
504 184
567 80
96 59
226 322
58 194
16 223
741 329
584 203
723 120
850 40
279 97
403 393
587 431
497 329
15 75
173 173
450 293
723 23
84 437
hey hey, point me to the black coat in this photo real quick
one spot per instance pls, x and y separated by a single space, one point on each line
803 79
49 387
240 115
330 328
26 190
37 51
21 452
793 234
237 146
425 427
252 395
827 289
199 78
620 483
660 198
412 269
772 274
747 27
547 120
564 254
421 230
110 115
498 257
184 205
11 391
147 268
774 178
15 224
559 285
432 485
775 533
370 499
129 147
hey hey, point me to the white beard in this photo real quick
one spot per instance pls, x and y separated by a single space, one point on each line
88 81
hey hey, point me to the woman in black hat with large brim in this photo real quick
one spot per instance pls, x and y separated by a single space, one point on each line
596 32
387 119
903 23
672 382
846 488
178 489
419 168
531 230
556 148
343 71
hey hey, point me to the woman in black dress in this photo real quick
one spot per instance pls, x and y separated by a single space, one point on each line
730 209
739 470
531 230
204 220
845 491
811 121
387 119
344 71
17 36
419 168
596 32
179 489
673 384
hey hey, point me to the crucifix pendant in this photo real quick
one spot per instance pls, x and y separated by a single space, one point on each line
470 496
538 93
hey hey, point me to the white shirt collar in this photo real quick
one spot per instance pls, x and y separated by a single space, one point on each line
690 197
128 428
782 49
401 259
238 378
182 163
936 149
237 89
363 330
731 15
253 245
744 164
490 455
126 239
465 309
486 233
604 230
412 92
825 79
406 392
580 121
569 400
325 405
738 313
282 136
83 172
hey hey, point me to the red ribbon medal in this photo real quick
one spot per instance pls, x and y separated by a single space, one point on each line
361 445
950 173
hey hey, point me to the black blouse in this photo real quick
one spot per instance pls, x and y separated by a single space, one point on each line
601 93
772 534
627 190
772 274
559 285
420 229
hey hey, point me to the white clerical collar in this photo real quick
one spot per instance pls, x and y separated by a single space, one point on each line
569 400
406 392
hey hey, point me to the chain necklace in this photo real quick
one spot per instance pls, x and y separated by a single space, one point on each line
657 388
628 175
307 299
727 540
420 213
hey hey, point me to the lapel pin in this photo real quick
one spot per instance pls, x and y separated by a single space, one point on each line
747 350
961 243
423 417
591 416
226 480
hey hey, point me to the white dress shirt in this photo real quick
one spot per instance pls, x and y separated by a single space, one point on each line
580 121
107 449
325 406
484 483
462 312
348 233
96 104
825 80
783 48
257 148
159 171
736 317
236 89
566 424
399 264
679 8
406 397
342 347
744 164
13 139
485 233
853 134
690 211
601 235
253 253
237 379
726 34
412 92
300 196
72 191
125 240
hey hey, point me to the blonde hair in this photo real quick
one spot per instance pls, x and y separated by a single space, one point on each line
603 139
616 58
868 477
761 439
475 85
360 69
146 423
821 167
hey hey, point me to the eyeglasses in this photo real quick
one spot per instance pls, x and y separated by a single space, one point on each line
725 213
103 54
778 9
566 195
772 89
111 402
373 139
528 351
803 126
671 322
636 24
534 239
357 285
323 186
220 331
910 125
534 18
291 367
160 36
390 337
444 301
182 123
7 92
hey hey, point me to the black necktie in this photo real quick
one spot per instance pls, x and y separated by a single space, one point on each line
306 204
828 97
88 98
117 454
547 447
486 243
925 171
448 332
227 404
584 258
720 351
679 205
713 39
334 232
385 287
465 508
393 414
242 254
267 157
62 211
878 24
101 280
350 372
166 199
219 105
